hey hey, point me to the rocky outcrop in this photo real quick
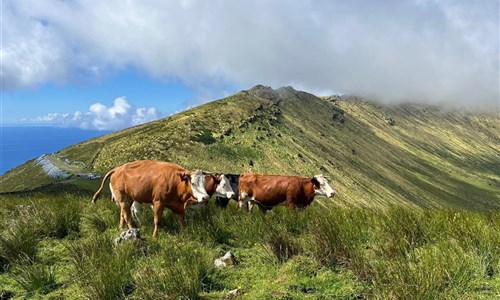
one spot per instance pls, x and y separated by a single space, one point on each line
338 115
390 121
285 93
225 261
130 234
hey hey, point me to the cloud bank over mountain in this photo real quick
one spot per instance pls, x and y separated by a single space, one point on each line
118 116
423 50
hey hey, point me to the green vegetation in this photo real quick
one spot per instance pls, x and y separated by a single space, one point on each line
204 137
416 215
323 252
429 157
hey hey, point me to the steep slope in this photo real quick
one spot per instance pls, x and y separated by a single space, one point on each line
373 154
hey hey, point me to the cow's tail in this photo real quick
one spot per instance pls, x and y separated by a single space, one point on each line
96 195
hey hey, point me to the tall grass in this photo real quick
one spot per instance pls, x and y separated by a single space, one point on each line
178 271
97 219
410 254
64 220
434 271
320 252
18 244
35 278
283 246
104 271
340 238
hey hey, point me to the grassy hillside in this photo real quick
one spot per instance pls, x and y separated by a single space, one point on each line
60 247
373 154
369 242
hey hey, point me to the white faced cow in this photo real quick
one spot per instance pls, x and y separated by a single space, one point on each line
270 190
215 185
158 183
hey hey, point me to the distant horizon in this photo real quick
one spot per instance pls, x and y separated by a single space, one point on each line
33 141
49 125
483 110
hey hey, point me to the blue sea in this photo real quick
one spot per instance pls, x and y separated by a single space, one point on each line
22 143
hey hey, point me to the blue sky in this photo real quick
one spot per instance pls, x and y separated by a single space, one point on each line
138 88
113 64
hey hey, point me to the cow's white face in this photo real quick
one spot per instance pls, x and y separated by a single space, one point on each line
324 188
198 186
224 189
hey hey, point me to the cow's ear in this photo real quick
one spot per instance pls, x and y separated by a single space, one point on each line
184 176
217 177
315 182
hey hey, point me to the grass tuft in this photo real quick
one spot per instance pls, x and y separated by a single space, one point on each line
340 238
104 270
35 278
18 244
180 270
283 246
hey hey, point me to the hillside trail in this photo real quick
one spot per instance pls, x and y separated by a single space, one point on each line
65 166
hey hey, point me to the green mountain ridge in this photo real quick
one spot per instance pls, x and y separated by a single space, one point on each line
374 154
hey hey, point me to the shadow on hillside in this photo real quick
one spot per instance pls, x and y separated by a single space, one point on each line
55 189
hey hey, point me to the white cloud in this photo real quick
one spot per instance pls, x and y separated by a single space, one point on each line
430 50
118 116
144 115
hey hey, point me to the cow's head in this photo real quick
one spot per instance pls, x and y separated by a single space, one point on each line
224 189
321 186
197 182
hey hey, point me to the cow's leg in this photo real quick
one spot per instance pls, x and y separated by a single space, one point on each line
112 193
241 198
126 214
290 200
122 219
222 202
119 200
263 208
136 210
158 214
182 220
244 199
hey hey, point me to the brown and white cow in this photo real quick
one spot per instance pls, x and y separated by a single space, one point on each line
218 185
215 185
268 191
233 179
158 183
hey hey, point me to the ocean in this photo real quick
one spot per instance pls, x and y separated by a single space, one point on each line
22 143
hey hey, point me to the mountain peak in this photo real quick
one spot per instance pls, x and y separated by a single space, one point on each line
263 88
281 94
